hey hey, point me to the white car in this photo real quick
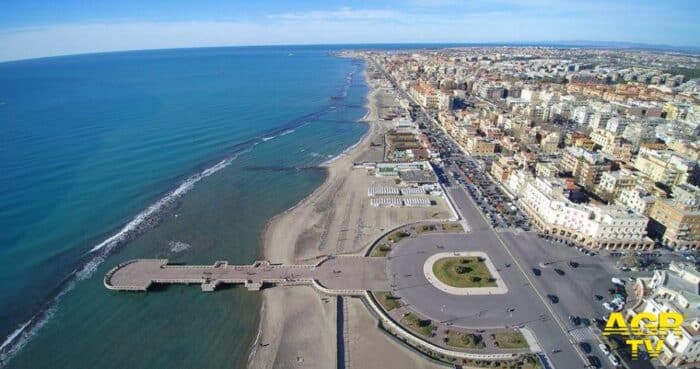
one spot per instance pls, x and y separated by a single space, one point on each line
618 281
608 307
604 348
613 360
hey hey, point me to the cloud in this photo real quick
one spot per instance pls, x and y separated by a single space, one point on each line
348 25
341 14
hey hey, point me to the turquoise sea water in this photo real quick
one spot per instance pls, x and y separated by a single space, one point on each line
179 154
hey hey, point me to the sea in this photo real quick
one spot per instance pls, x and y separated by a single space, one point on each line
175 154
180 154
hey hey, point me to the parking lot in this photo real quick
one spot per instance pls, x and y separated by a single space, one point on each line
501 211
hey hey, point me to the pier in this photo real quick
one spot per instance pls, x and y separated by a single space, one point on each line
340 275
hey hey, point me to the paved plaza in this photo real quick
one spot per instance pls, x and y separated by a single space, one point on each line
518 301
342 274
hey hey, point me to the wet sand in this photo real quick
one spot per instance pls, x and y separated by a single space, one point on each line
298 325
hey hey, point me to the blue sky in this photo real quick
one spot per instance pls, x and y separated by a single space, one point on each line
35 28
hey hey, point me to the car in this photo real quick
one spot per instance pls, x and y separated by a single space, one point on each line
553 298
614 360
598 297
594 361
575 320
573 264
608 306
585 347
536 272
559 271
603 347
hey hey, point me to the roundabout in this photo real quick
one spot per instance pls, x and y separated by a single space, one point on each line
464 273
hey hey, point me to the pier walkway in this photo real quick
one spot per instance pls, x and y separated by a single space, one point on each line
341 275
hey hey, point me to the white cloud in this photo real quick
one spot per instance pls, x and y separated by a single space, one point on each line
343 25
343 14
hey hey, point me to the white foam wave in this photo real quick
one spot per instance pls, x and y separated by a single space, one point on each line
268 138
14 335
19 338
15 342
343 153
287 132
160 204
178 246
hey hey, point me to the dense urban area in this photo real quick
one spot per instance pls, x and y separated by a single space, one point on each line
594 152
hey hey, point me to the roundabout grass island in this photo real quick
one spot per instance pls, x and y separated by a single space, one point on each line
463 272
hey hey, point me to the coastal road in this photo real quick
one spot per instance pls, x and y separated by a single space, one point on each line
575 289
522 305
552 331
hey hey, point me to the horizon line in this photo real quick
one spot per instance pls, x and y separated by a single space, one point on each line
599 44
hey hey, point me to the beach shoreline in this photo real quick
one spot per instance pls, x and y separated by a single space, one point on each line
298 326
333 167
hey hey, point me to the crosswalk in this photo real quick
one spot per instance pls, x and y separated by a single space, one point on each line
581 334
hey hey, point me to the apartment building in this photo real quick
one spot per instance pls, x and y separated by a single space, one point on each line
610 227
503 167
676 222
586 166
673 290
480 146
665 166
637 199
613 183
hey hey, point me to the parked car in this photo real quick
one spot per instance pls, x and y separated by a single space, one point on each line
614 360
594 361
536 272
585 347
553 298
559 271
603 347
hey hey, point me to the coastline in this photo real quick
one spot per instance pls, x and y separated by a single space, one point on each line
298 326
270 315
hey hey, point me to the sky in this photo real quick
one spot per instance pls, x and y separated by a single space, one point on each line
38 28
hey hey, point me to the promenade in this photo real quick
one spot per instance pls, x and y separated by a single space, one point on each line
342 275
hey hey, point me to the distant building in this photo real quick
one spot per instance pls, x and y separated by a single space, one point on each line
546 169
425 95
502 168
666 167
480 146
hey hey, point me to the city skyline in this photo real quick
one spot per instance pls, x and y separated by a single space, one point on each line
73 27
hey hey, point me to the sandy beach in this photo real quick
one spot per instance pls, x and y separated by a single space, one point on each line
298 325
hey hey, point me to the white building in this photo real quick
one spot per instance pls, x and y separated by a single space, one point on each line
638 199
673 290
610 226
516 181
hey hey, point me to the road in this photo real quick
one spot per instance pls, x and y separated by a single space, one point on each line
526 251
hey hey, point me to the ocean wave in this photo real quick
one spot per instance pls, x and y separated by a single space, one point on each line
99 253
143 221
179 246
16 341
